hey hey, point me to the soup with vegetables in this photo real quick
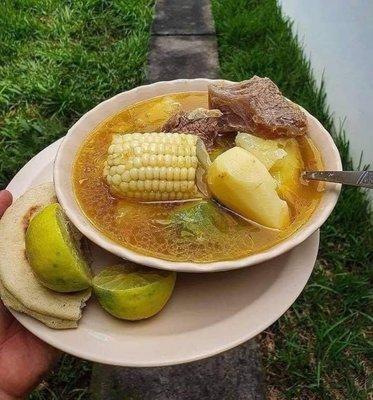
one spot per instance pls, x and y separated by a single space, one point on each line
171 178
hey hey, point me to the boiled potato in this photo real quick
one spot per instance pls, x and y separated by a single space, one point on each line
268 151
156 114
287 170
283 159
241 182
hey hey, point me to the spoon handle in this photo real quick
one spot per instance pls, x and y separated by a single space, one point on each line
353 178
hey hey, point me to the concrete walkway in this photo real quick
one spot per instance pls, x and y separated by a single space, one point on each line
183 45
233 375
183 42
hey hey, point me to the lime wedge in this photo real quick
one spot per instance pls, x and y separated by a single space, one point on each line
133 292
53 251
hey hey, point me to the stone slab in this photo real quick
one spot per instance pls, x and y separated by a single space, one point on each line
183 17
233 375
173 57
183 45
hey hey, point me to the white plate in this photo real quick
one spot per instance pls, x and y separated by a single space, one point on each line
207 314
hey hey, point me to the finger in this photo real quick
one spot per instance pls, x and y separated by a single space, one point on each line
24 359
5 321
5 201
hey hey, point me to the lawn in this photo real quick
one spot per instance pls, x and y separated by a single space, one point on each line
320 348
57 60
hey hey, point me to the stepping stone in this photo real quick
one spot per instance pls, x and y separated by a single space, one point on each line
183 17
173 57
183 45
233 375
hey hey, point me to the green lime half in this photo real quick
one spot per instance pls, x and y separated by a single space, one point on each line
54 253
133 292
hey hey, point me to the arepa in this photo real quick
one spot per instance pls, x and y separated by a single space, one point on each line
20 289
53 322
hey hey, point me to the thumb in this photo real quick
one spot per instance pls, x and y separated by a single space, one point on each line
5 201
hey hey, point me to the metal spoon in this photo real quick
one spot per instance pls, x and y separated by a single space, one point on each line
354 178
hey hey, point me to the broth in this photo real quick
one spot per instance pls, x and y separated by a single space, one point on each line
146 227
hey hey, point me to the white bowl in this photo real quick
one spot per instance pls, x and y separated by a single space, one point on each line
81 129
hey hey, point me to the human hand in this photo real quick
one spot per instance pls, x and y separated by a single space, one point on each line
24 358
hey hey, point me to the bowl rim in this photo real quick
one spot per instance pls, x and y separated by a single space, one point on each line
92 233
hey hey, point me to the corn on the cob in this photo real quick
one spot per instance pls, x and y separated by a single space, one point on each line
153 166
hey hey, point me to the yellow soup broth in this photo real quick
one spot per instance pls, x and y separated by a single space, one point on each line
150 228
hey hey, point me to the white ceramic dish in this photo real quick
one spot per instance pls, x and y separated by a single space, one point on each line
207 314
76 135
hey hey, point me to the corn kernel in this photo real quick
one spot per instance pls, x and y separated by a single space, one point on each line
191 173
153 160
134 174
169 186
153 148
183 186
183 173
116 179
181 161
162 186
132 186
142 174
148 185
162 173
155 185
177 186
126 177
120 169
156 173
190 185
137 162
176 173
124 187
149 173
170 174
141 186
167 160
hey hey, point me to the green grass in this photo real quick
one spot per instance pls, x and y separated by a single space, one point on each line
57 60
68 381
320 349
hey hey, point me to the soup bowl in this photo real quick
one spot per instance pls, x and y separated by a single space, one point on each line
63 168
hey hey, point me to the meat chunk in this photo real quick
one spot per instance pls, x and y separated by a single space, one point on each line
206 124
257 105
